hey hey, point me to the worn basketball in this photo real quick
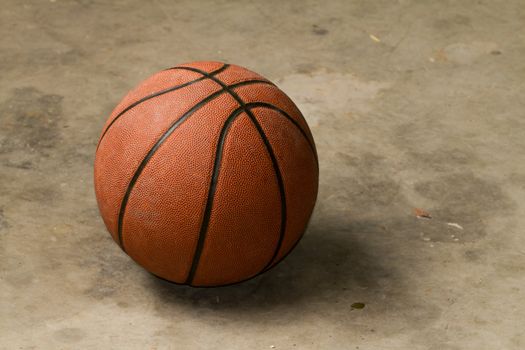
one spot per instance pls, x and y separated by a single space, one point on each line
206 174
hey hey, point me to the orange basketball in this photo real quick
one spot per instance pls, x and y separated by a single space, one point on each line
206 174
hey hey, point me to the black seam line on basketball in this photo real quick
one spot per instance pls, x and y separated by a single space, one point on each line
210 76
280 183
238 282
160 141
158 93
215 172
211 193
296 243
276 169
287 116
269 105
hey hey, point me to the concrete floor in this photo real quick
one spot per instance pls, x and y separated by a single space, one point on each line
412 104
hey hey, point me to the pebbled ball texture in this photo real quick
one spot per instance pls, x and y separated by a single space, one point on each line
206 174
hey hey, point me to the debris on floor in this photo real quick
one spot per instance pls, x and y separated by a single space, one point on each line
358 306
453 224
421 213
375 38
422 235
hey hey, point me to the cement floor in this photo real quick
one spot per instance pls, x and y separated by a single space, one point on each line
413 104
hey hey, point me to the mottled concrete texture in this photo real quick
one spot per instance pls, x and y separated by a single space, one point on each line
412 104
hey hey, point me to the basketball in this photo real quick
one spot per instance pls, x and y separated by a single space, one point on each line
206 174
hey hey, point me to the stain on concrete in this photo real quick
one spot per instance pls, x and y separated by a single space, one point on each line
109 265
39 58
462 198
465 53
101 291
69 335
511 266
368 182
318 30
26 165
306 68
123 304
30 121
39 193
473 255
424 132
452 23
444 159
517 179
3 221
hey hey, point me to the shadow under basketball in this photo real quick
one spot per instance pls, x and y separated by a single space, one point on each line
333 263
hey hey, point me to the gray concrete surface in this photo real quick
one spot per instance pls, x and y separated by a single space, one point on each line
413 104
